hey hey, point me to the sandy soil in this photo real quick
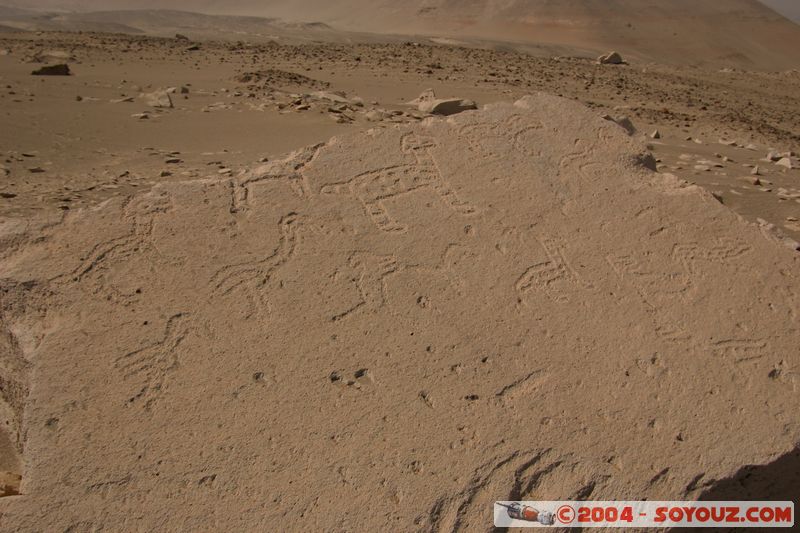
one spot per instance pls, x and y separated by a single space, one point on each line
436 312
74 141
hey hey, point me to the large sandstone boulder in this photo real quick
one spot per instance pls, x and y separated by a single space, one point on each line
392 330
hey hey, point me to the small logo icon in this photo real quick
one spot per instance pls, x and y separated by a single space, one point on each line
517 511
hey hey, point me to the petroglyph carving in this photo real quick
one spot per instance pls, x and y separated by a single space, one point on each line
252 276
372 271
289 169
551 275
740 350
372 188
140 212
150 364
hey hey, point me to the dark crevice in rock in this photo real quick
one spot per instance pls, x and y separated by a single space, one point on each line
14 388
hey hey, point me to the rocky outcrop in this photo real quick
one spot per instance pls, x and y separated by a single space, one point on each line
503 304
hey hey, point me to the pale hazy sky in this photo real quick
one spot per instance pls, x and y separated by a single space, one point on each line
790 8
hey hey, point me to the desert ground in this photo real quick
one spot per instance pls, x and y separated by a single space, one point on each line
333 280
80 139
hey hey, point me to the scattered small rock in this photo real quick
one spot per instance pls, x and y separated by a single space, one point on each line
611 58
332 96
623 122
364 376
62 69
207 480
376 115
427 398
160 98
340 118
428 103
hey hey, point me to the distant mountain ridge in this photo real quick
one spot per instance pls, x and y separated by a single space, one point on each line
169 22
740 33
787 8
736 32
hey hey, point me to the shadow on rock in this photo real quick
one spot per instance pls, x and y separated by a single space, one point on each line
776 481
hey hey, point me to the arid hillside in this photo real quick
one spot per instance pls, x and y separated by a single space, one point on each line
739 33
679 31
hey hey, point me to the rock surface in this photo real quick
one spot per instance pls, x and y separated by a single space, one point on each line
499 305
